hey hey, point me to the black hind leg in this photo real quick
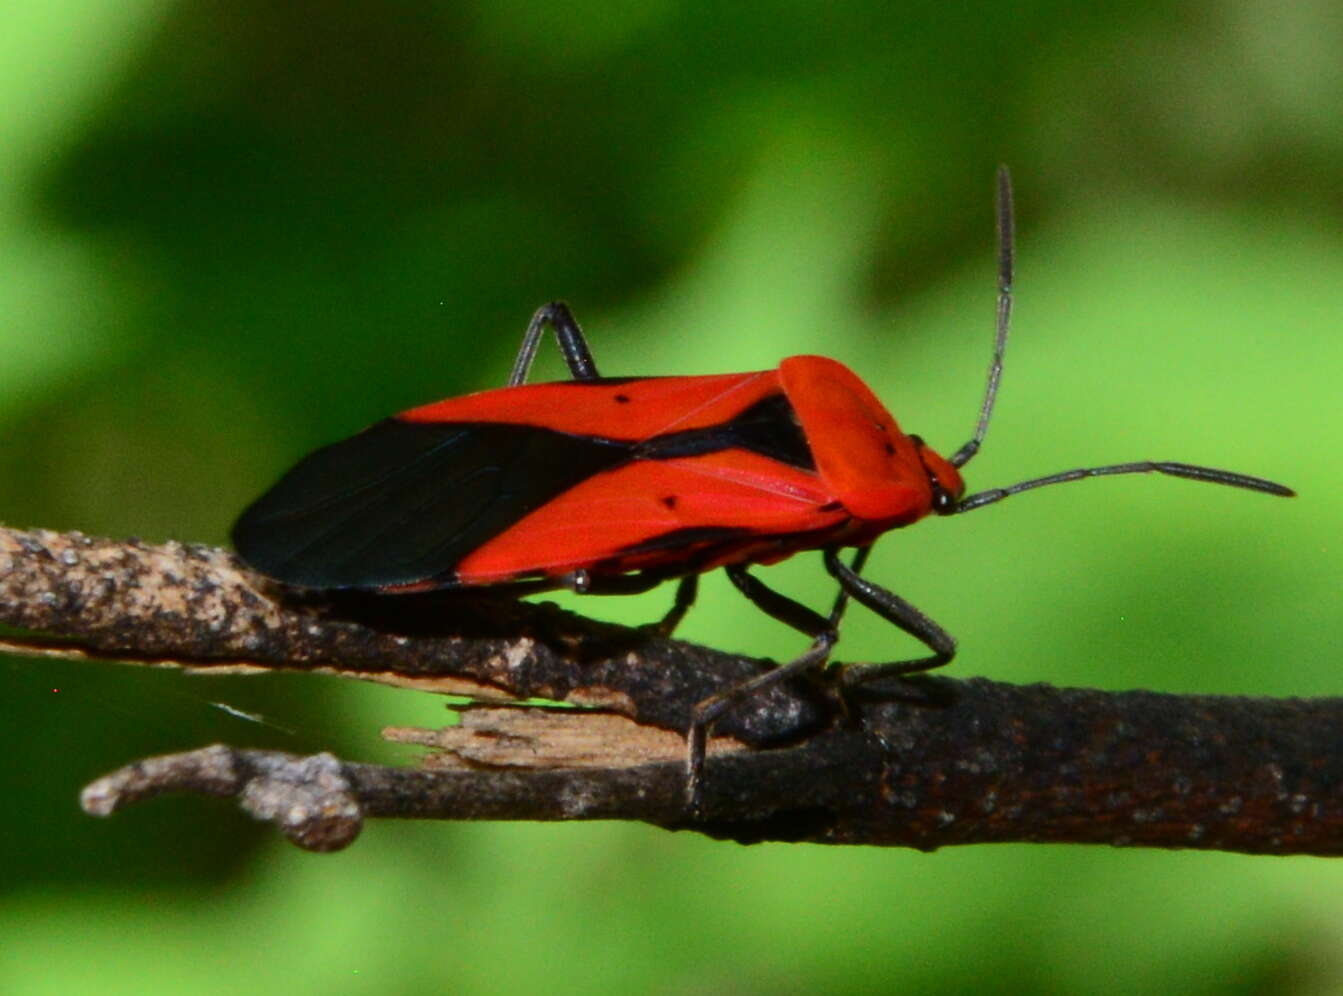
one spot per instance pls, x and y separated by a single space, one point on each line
570 337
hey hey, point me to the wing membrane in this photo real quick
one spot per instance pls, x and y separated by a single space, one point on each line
403 502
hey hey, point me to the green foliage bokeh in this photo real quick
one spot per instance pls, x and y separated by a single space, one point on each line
231 232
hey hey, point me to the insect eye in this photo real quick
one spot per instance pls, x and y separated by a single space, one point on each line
943 500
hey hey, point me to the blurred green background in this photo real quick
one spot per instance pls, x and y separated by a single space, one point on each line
230 232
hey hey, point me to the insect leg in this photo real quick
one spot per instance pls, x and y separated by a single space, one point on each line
787 611
686 590
573 345
894 609
842 599
584 583
780 607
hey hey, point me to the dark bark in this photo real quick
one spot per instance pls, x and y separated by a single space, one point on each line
923 763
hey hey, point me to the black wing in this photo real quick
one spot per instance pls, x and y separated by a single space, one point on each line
403 502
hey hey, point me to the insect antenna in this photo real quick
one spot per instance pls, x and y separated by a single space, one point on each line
1006 240
1006 253
971 502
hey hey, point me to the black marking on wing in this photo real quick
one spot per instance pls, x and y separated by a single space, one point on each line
404 502
769 427
689 536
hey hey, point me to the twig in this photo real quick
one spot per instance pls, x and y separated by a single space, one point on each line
197 607
925 763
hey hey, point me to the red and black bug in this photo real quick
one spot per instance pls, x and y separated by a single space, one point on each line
614 485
